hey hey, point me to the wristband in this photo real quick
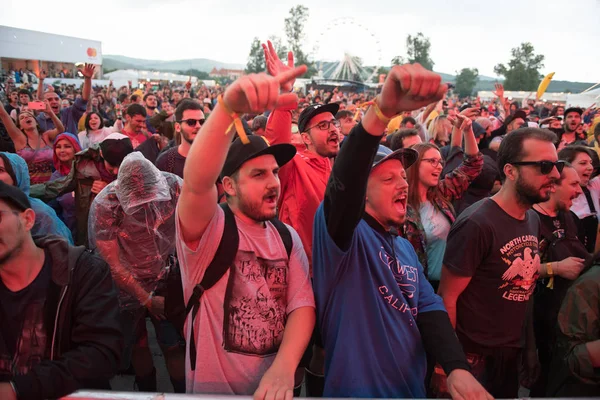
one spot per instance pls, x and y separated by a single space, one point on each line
239 127
385 120
550 272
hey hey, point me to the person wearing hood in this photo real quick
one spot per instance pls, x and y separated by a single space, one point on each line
14 171
66 146
132 226
92 170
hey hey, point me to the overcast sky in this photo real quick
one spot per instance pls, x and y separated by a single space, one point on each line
464 33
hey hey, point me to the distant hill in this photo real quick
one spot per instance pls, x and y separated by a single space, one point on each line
112 62
201 64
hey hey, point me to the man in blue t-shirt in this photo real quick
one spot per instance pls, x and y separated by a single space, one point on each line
376 311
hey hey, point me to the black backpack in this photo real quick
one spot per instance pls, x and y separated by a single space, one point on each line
175 308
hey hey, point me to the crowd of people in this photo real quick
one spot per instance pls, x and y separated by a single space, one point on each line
403 243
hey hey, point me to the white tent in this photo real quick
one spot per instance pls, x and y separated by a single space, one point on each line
584 99
121 77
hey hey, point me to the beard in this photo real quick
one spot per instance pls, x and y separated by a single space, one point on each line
187 137
253 210
15 250
528 194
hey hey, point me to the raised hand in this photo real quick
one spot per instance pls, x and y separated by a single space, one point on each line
275 66
410 87
43 75
256 93
88 71
499 92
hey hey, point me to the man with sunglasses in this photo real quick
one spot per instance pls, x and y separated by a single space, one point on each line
189 119
492 261
303 181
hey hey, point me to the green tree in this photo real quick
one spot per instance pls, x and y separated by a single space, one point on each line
256 58
523 70
294 31
381 70
398 60
282 50
417 51
466 80
194 72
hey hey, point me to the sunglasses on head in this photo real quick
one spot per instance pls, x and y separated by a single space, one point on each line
192 122
545 166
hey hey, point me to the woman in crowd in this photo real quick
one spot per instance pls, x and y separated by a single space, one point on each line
13 171
65 147
95 131
429 212
34 146
439 131
586 206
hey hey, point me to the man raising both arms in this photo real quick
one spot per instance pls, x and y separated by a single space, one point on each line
253 325
378 314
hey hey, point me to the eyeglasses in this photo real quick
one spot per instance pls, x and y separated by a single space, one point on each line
545 166
325 125
7 212
192 122
434 161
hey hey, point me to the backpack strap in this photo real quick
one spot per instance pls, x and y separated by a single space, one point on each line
221 262
286 236
588 197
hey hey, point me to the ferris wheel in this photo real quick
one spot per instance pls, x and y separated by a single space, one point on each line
347 50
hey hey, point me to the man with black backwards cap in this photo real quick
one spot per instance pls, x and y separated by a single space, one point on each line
93 169
252 326
570 125
378 314
58 310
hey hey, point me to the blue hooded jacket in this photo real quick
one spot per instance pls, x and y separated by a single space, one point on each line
46 220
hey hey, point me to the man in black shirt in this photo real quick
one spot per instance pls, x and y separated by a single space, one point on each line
189 119
492 262
58 310
560 246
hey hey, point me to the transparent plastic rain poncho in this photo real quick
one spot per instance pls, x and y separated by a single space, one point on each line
46 220
133 221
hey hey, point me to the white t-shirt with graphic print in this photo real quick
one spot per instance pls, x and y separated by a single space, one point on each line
241 319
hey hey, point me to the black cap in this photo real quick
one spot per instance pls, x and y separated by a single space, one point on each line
239 153
573 109
312 111
406 156
14 196
115 147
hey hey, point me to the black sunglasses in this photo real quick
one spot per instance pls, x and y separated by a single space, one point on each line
192 122
545 166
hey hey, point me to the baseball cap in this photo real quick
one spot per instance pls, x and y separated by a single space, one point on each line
14 196
258 146
573 109
115 147
259 122
406 156
312 111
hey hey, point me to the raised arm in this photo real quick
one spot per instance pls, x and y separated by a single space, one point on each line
88 73
198 200
15 133
279 125
406 88
40 88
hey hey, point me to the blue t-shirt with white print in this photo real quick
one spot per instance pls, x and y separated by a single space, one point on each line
368 300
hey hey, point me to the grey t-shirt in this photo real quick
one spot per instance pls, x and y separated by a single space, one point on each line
241 319
500 254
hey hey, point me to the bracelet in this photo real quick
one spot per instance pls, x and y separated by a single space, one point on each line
551 274
239 127
549 270
385 120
